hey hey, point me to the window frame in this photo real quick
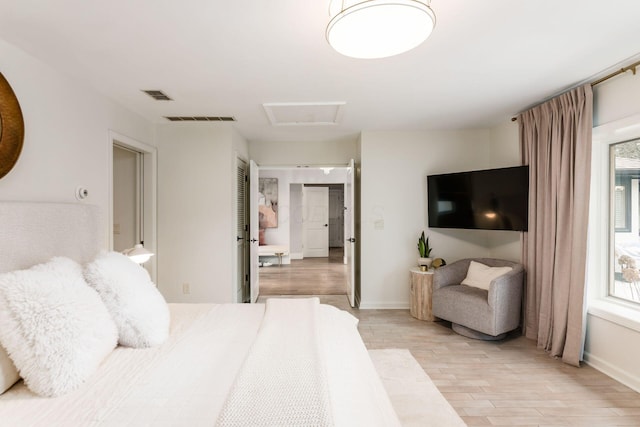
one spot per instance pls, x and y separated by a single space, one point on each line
600 237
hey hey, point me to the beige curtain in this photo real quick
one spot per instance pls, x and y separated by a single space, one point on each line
555 141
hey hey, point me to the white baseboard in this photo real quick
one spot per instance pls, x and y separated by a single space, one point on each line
296 255
384 305
626 378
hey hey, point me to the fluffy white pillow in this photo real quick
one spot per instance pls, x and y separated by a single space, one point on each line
480 275
8 372
138 309
54 327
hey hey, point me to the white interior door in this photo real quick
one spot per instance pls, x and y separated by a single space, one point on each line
350 233
253 231
315 221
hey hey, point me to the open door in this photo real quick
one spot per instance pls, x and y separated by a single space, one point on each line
254 241
349 232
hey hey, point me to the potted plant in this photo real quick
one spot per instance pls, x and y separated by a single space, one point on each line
425 253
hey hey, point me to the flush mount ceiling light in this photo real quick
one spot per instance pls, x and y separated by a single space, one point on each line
378 28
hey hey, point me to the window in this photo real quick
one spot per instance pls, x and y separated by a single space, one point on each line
624 159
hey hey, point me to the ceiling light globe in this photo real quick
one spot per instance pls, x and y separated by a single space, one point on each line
379 28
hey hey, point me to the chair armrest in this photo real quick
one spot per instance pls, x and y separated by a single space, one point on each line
507 289
450 274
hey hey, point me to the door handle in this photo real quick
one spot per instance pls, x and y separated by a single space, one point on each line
351 239
253 240
326 225
238 238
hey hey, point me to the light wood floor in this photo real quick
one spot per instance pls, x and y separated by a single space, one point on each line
508 383
309 276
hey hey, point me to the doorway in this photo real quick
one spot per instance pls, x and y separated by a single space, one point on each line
313 264
126 198
132 213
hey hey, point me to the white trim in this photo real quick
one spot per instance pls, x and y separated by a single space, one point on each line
296 255
150 159
612 371
616 312
600 244
384 305
618 131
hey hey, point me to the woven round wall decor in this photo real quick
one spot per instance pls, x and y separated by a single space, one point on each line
11 127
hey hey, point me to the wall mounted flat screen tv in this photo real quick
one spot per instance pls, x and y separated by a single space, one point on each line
492 199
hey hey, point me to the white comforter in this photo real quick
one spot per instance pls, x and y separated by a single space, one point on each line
185 382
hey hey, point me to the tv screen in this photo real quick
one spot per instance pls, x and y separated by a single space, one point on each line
493 199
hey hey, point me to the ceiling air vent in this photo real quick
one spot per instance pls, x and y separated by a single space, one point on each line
158 95
200 119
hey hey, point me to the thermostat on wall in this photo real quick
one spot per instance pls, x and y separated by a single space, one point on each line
82 193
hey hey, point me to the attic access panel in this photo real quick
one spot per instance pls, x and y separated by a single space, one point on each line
304 113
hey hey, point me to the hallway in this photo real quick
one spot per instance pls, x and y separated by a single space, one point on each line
309 276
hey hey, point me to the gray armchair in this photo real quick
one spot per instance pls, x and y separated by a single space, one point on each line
474 312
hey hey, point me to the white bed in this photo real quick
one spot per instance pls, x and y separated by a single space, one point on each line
186 380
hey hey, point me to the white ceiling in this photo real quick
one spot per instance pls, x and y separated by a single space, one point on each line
485 61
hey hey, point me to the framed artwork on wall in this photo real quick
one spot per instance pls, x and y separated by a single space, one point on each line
11 127
268 202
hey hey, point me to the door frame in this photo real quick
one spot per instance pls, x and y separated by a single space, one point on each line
355 171
150 178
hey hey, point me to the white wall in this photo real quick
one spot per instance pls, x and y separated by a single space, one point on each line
66 141
616 98
196 211
320 153
394 206
610 343
504 152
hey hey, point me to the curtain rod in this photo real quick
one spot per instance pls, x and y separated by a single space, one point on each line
622 70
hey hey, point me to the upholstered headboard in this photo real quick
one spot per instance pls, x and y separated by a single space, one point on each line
33 232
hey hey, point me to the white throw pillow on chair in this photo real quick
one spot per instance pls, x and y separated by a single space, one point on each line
480 275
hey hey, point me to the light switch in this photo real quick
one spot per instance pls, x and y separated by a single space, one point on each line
378 224
116 228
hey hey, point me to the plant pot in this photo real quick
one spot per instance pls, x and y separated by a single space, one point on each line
425 262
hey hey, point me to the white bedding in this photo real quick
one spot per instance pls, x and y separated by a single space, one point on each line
295 391
185 381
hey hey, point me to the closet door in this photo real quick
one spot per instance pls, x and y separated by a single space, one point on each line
243 292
